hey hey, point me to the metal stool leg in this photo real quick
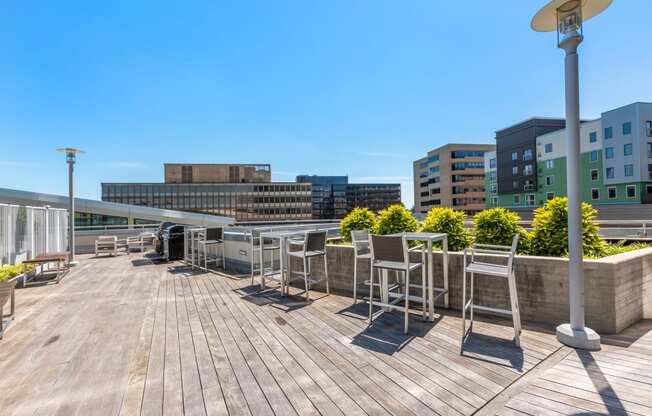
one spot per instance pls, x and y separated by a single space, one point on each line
407 300
305 277
355 279
472 299
463 309
423 283
371 294
328 288
516 318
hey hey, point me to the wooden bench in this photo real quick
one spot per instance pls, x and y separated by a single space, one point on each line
107 244
60 258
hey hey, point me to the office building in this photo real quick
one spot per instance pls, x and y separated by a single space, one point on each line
333 196
217 173
616 162
451 176
250 197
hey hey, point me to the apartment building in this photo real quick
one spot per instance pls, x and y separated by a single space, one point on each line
451 176
616 162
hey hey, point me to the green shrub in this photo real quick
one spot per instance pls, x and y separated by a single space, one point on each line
497 226
451 222
358 219
7 272
620 247
550 230
395 219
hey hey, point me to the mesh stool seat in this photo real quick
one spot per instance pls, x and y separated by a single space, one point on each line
313 245
473 266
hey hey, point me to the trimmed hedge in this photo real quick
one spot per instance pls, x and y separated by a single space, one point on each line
451 222
358 219
395 219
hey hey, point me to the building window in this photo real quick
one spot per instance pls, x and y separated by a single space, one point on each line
186 174
514 170
515 185
627 149
517 199
550 180
514 155
527 154
629 170
611 191
648 189
550 195
631 191
493 188
593 137
492 163
595 194
548 148
608 133
627 128
530 199
423 165
528 170
610 173
434 169
648 128
594 175
550 164
649 150
594 155
609 153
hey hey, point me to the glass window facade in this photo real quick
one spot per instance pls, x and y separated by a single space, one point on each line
244 202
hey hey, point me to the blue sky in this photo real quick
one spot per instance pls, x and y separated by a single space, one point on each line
321 87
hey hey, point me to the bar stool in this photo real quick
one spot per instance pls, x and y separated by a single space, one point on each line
360 239
392 253
495 270
313 245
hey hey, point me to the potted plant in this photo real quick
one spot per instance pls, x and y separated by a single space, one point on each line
8 279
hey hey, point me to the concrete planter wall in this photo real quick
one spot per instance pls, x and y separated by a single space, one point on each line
618 289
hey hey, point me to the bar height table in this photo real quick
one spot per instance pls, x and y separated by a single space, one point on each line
429 239
282 237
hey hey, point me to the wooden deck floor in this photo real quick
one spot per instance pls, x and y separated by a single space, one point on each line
126 336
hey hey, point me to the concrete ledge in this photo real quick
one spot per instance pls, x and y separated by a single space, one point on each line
618 288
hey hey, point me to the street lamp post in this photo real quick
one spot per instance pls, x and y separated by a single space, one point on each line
566 17
71 156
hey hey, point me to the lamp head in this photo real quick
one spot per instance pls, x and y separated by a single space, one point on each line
566 17
70 153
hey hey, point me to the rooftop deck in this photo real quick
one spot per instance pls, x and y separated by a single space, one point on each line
126 336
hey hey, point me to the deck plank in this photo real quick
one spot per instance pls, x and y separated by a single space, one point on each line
168 340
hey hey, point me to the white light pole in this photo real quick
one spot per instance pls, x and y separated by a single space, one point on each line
566 17
71 156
